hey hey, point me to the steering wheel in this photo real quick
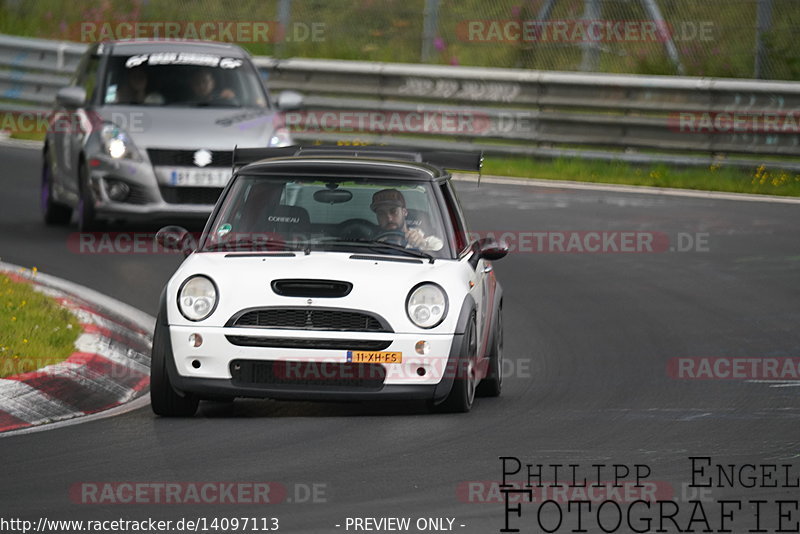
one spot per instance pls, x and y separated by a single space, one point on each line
394 237
356 229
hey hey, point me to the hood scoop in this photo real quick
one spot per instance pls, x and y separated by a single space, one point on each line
303 287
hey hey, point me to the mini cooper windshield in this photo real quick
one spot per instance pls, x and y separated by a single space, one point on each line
267 213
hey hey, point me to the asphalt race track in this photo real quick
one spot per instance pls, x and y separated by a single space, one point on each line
589 341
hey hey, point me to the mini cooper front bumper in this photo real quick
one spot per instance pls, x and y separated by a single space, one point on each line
246 362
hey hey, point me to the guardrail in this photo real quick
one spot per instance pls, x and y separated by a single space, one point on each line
521 112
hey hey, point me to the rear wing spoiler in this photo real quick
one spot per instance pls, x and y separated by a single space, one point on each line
446 159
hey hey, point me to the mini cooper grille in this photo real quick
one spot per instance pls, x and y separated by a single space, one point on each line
311 319
311 288
190 195
300 343
185 158
315 375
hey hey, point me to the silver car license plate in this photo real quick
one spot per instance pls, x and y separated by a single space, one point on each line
201 178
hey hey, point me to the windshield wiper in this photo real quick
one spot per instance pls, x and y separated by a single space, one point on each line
368 243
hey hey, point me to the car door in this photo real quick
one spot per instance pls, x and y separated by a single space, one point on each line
480 270
72 125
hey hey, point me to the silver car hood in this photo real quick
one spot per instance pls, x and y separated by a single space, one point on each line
192 128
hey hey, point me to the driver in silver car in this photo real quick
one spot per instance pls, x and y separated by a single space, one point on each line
203 86
389 206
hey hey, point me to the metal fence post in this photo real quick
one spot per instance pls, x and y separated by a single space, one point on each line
429 27
542 17
284 19
763 24
591 51
664 33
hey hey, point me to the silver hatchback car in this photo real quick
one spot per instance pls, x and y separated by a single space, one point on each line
146 130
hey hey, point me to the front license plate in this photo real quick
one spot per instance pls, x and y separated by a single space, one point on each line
201 178
373 356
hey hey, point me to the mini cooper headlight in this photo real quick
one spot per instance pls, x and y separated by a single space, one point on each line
426 305
197 298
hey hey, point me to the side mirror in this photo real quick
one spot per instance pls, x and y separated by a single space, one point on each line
71 97
289 100
491 250
175 238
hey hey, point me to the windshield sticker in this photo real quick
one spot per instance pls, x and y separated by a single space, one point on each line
183 58
224 229
111 94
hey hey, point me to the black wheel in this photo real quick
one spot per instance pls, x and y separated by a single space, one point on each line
87 217
52 211
492 384
462 395
164 400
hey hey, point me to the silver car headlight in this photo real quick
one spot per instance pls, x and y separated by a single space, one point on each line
197 298
117 143
426 305
280 137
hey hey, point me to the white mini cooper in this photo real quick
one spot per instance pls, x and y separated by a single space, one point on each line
332 273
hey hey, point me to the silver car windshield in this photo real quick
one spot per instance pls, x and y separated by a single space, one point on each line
181 79
378 217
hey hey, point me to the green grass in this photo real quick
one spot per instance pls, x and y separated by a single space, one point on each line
23 125
28 136
35 331
714 178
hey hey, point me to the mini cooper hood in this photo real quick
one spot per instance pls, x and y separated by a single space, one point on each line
193 127
380 285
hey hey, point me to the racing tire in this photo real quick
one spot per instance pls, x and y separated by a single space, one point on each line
492 384
54 213
164 400
462 395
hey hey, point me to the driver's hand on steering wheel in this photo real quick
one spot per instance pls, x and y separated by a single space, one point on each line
415 237
227 94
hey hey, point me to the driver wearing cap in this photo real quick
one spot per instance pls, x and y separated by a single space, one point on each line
389 206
